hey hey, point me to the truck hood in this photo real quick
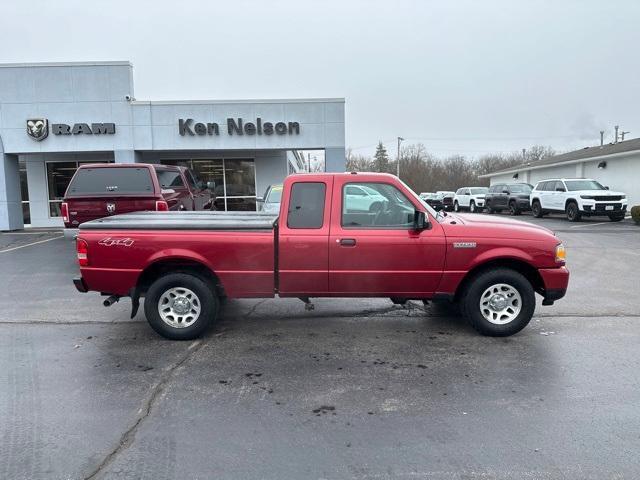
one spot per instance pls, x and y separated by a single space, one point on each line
481 226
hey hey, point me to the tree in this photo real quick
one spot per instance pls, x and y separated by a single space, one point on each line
358 163
381 159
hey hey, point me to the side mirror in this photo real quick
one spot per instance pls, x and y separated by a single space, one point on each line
211 186
420 221
606 187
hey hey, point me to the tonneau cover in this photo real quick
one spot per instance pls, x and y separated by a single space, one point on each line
184 221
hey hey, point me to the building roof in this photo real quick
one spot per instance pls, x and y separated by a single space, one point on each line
575 156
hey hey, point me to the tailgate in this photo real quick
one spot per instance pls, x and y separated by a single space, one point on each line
89 208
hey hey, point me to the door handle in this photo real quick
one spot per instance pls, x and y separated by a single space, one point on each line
347 242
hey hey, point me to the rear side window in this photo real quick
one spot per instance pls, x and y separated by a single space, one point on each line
111 180
306 205
170 179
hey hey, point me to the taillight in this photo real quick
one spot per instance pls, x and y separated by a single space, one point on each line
82 249
162 206
64 210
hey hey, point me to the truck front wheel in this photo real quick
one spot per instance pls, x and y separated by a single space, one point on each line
498 302
180 306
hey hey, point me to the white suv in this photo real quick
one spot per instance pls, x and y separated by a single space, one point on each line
471 198
577 197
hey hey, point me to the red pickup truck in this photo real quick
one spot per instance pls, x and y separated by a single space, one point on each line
324 243
103 189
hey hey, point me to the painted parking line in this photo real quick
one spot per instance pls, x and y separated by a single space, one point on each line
590 224
30 244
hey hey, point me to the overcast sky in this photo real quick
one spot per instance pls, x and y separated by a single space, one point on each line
463 77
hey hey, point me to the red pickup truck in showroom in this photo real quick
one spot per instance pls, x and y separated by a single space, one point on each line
324 243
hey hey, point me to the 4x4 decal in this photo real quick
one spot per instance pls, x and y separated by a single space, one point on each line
121 242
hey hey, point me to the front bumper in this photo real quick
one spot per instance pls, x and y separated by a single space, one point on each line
603 208
80 285
555 283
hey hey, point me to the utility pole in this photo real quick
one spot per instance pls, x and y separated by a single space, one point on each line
615 137
400 139
601 138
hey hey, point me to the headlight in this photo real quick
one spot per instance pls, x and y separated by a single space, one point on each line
561 254
586 197
622 197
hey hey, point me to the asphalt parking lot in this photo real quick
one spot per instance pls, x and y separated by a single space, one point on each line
356 389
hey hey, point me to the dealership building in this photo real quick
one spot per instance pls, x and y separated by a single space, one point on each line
616 165
57 116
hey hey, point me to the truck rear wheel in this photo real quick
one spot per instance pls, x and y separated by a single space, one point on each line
498 302
180 306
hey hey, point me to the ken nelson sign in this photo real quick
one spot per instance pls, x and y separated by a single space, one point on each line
237 126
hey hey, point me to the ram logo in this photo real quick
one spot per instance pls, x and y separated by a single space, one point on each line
38 128
111 207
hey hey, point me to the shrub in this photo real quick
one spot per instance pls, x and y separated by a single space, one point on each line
635 214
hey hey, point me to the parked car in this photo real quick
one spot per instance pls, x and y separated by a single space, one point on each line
100 190
469 198
322 244
433 200
508 196
446 198
271 200
577 197
362 198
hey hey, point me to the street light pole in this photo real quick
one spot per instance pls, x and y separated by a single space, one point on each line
400 139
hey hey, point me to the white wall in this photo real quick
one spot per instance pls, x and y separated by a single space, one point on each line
621 174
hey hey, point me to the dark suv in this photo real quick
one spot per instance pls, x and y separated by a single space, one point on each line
511 196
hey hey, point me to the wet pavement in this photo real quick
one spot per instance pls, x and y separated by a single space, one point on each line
356 389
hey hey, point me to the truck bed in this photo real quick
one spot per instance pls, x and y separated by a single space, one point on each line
208 221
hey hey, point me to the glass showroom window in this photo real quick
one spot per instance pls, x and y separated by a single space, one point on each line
235 180
59 175
24 191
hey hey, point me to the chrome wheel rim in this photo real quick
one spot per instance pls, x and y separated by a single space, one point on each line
179 307
500 304
472 207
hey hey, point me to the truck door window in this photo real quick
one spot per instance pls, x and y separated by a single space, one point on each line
383 206
306 205
170 179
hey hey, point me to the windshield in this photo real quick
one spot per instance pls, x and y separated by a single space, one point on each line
479 190
275 194
574 185
521 188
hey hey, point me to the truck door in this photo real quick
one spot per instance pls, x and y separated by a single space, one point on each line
376 252
303 236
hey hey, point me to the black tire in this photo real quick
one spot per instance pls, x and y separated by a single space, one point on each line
536 209
456 206
513 208
488 208
472 207
573 213
616 218
470 301
204 296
